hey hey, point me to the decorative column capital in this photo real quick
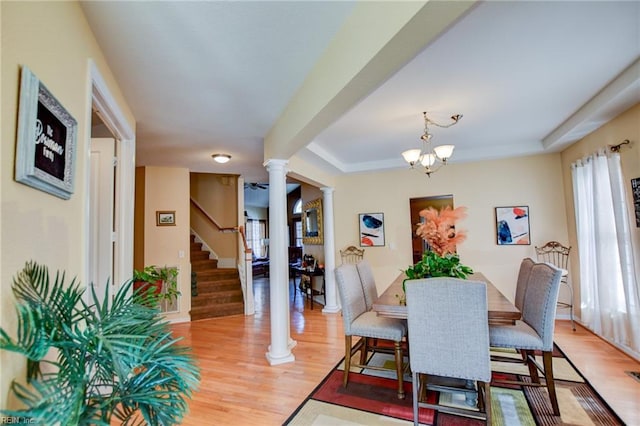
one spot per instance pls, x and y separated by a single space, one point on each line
327 190
274 164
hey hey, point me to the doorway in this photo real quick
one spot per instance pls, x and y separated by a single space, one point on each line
416 205
110 244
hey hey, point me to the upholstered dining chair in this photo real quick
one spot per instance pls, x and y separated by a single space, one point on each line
360 322
521 287
351 254
368 283
558 255
523 278
449 338
535 331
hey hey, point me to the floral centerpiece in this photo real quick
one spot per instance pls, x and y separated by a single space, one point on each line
440 233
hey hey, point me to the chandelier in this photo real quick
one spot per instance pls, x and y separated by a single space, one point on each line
429 156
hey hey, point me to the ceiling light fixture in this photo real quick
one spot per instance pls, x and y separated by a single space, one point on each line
221 158
431 158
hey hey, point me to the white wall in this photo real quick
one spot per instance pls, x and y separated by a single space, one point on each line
534 181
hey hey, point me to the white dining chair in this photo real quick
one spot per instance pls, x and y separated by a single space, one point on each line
366 324
449 338
535 331
368 282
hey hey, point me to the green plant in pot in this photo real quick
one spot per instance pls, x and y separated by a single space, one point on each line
438 230
104 361
148 284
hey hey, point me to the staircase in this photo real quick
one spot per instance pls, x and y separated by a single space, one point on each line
219 292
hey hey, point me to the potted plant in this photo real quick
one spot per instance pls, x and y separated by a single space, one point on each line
114 360
158 284
439 231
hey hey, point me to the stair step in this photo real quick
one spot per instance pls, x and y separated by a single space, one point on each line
199 255
216 274
207 287
217 298
198 265
215 311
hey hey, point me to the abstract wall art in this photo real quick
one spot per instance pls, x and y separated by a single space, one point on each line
512 225
371 229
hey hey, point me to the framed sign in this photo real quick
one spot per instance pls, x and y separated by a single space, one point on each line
46 143
371 229
165 218
512 225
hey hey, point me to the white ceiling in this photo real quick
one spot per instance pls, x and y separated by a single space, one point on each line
213 76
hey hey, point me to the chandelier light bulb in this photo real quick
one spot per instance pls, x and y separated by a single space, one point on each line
444 152
412 156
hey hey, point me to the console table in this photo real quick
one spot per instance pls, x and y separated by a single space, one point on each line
308 290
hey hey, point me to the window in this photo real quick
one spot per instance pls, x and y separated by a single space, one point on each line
256 234
297 207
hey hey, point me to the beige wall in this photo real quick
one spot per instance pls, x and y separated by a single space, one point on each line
167 189
535 181
625 126
53 39
218 195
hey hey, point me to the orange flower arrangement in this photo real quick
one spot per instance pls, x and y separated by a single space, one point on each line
439 231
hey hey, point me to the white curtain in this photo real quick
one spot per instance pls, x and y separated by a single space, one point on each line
609 300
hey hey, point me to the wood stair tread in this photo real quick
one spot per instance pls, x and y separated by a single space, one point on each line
219 290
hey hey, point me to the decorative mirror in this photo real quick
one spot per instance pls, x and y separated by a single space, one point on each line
312 230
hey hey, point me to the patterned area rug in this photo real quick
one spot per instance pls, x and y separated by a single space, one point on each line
370 399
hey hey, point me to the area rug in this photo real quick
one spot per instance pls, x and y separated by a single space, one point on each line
371 399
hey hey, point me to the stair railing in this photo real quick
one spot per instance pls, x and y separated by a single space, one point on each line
246 273
211 219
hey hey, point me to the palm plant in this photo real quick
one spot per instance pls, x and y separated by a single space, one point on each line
113 359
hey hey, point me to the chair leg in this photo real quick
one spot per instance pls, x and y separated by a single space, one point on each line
573 325
399 368
347 360
415 385
533 369
486 387
547 358
364 350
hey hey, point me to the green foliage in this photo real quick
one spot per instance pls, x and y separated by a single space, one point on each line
434 265
152 274
111 361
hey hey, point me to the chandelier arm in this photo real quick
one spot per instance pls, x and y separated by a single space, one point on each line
454 118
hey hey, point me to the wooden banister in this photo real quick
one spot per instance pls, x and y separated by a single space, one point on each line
244 239
212 220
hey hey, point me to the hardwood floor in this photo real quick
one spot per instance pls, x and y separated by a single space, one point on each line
239 387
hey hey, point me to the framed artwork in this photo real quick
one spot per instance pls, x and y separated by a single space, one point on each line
371 229
635 191
512 225
46 143
165 218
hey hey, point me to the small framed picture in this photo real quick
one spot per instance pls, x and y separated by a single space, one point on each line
371 229
512 225
46 144
165 218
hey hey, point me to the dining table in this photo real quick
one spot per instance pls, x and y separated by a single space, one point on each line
501 310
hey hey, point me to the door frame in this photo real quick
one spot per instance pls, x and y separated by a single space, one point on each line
103 102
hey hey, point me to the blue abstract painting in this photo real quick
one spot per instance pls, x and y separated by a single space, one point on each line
512 225
371 229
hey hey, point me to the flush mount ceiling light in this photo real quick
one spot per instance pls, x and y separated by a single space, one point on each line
431 158
221 158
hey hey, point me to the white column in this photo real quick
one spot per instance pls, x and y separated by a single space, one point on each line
329 253
279 351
